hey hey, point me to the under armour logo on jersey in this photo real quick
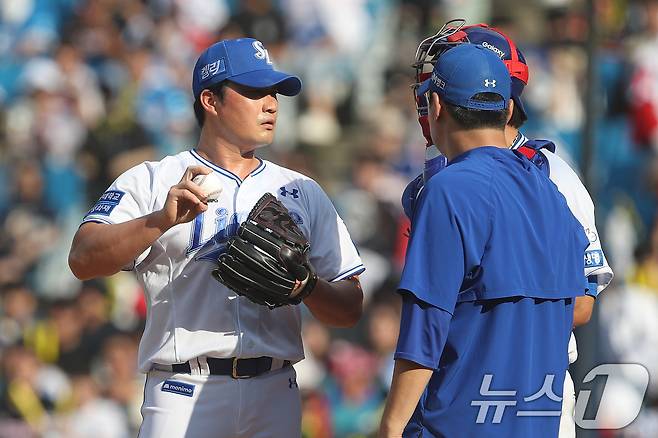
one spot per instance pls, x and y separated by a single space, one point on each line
490 83
292 382
284 192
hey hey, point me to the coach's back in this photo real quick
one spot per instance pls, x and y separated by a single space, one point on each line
494 244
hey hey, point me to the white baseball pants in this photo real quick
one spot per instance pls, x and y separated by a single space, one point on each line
191 406
567 422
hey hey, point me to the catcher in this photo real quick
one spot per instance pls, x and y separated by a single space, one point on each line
218 354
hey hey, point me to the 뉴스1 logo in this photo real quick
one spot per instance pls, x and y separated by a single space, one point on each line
212 69
615 376
178 388
494 49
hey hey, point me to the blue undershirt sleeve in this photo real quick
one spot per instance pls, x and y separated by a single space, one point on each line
423 332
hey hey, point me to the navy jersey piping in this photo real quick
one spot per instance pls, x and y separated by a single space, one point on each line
228 173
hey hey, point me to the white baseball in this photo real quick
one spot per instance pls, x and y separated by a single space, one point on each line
210 184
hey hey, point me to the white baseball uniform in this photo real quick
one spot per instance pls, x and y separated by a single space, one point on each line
192 317
597 269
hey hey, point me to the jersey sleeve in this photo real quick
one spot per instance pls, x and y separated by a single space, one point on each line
596 267
423 332
439 245
333 253
129 197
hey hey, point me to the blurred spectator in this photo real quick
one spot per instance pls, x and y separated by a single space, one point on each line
644 83
123 384
31 391
58 339
92 415
90 88
28 228
383 327
645 273
93 310
260 19
19 307
353 392
311 372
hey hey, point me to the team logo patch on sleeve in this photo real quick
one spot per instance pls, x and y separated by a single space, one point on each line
106 203
593 258
176 387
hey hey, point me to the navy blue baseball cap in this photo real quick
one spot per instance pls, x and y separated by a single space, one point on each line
244 61
466 70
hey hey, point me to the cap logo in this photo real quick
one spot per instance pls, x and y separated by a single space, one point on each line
261 52
490 83
494 49
440 83
212 69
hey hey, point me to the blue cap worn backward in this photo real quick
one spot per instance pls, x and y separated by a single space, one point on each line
244 61
466 70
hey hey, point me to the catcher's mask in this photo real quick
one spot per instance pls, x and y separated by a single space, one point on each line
454 33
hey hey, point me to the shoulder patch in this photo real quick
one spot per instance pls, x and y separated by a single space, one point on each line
593 258
106 203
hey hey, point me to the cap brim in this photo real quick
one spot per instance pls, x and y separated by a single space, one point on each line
423 87
285 84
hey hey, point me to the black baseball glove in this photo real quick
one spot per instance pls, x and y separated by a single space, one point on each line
267 261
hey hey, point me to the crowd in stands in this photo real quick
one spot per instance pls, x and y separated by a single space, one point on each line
90 88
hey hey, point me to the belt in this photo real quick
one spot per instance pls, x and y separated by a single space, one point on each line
234 367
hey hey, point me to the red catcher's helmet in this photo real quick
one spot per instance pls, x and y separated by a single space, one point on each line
454 33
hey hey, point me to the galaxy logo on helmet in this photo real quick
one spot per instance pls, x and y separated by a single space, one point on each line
493 48
244 61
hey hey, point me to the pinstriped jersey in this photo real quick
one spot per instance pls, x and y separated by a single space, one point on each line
190 313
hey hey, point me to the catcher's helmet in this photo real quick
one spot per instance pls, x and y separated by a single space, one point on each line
454 33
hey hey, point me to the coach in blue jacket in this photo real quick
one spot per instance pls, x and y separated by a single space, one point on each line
493 266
